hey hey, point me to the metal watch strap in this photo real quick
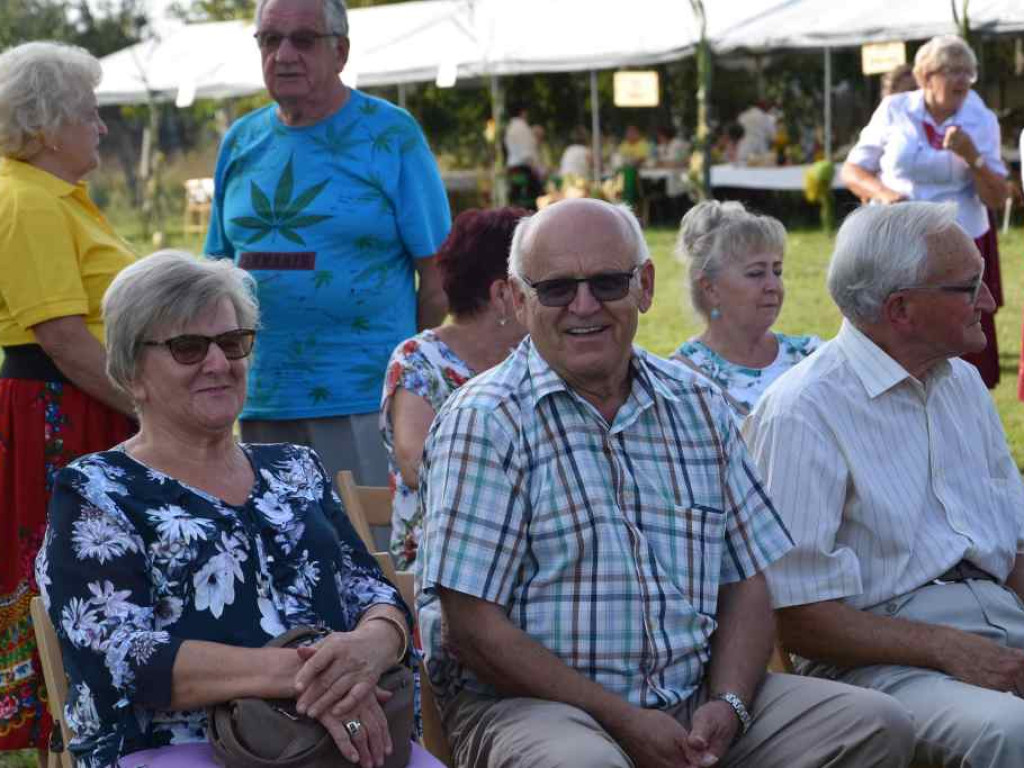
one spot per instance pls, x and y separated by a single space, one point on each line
739 708
979 162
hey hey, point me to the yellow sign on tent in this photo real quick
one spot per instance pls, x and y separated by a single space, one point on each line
637 89
879 58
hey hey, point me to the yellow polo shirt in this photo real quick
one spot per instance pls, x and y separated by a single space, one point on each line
57 252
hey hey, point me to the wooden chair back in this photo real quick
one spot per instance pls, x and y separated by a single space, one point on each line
367 506
54 677
433 734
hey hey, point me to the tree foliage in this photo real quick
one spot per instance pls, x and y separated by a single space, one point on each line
105 27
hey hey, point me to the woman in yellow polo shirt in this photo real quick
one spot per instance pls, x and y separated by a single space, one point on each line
57 257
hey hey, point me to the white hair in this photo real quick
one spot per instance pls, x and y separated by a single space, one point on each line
881 249
161 293
522 238
941 51
713 234
335 16
43 86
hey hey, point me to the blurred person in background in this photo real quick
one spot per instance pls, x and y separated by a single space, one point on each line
576 159
57 257
899 79
940 143
427 368
734 260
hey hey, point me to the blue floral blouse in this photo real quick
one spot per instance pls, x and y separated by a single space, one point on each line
136 562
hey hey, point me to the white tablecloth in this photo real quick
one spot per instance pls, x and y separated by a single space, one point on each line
786 177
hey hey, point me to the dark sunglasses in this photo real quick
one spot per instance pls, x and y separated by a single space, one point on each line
301 41
192 348
606 286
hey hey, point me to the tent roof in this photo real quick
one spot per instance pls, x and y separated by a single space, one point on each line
412 41
825 23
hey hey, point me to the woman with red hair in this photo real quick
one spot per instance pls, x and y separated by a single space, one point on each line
427 368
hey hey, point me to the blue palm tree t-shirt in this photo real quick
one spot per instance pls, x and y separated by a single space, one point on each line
329 219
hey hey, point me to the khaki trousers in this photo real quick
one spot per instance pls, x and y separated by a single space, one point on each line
797 723
957 724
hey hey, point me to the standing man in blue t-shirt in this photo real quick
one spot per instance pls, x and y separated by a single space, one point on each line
333 200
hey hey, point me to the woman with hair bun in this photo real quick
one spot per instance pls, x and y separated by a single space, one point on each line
733 260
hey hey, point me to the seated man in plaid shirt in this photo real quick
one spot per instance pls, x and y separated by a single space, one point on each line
594 542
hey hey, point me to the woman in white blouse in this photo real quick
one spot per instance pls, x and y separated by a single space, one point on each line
939 144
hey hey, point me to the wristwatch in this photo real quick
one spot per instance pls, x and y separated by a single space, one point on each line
739 708
979 162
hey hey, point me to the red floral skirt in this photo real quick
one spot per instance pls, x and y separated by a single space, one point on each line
987 361
43 426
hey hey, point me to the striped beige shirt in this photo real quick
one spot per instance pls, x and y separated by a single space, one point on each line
883 481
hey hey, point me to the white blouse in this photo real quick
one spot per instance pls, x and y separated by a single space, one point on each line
894 146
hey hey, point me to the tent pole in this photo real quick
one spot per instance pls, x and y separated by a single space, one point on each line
401 95
828 103
595 127
499 190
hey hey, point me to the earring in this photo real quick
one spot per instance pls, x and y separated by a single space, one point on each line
502 322
715 313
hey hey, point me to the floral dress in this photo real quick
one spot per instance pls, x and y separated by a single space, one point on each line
745 385
135 562
425 366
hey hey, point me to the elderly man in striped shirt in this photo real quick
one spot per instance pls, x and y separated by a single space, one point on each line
885 456
595 536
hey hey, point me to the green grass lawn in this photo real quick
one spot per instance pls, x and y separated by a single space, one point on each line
808 309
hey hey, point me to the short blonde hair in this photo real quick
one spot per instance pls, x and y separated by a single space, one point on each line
43 86
712 234
942 51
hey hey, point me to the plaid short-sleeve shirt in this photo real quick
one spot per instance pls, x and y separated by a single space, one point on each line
605 543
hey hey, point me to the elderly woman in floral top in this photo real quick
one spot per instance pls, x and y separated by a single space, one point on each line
427 368
734 266
171 559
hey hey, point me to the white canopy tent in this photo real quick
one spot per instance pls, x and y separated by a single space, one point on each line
413 41
827 24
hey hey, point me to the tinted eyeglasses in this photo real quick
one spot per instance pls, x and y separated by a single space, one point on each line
302 41
605 286
192 348
971 290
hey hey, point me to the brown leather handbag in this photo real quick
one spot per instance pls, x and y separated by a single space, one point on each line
250 733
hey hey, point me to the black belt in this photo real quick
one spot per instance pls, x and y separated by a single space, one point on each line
29 361
963 571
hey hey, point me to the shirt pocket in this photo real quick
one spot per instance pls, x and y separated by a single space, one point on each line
688 547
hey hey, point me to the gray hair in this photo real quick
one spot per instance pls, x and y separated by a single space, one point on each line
161 293
941 51
881 249
43 86
522 239
713 234
335 15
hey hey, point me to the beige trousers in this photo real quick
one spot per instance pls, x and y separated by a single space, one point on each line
957 724
797 723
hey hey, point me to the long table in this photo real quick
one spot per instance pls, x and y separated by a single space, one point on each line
784 178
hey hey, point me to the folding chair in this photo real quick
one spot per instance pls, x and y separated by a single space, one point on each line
55 679
367 506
